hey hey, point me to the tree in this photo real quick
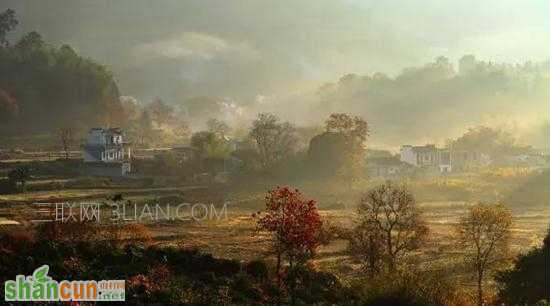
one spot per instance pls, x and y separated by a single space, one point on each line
182 131
143 128
19 177
205 141
294 223
65 136
217 127
354 132
160 112
389 218
325 154
489 141
31 41
366 244
484 236
8 22
275 140
53 84
528 281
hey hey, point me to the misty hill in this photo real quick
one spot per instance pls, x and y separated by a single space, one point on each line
436 101
43 87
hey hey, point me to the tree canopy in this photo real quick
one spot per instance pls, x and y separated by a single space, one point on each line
44 85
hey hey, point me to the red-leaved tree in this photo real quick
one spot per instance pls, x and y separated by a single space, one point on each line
294 222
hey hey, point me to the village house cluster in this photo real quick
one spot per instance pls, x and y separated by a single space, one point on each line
106 153
443 159
430 159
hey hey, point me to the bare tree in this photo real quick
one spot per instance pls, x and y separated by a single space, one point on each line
484 236
366 245
390 215
66 139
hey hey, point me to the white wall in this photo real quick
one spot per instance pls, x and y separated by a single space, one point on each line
408 156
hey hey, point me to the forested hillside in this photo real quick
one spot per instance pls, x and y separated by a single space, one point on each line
44 87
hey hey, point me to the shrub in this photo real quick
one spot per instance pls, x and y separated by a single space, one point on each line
528 282
137 233
257 268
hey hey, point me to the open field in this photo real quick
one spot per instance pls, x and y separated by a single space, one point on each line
231 233
234 235
442 199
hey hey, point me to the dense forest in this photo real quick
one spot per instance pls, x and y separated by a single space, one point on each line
44 87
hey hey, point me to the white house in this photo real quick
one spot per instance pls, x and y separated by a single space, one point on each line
107 152
444 159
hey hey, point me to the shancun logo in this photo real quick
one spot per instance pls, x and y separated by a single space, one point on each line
40 287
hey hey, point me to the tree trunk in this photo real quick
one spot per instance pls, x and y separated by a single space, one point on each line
278 277
480 288
292 282
391 254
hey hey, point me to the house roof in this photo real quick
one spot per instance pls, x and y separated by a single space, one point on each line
424 149
113 130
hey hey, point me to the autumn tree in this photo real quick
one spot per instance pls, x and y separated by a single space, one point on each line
275 140
484 236
294 223
66 139
389 226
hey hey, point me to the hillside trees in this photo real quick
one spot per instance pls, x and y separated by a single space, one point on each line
49 85
489 141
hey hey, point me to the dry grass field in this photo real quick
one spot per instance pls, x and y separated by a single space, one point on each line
442 200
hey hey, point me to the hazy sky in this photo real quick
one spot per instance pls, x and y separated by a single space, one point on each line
242 49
